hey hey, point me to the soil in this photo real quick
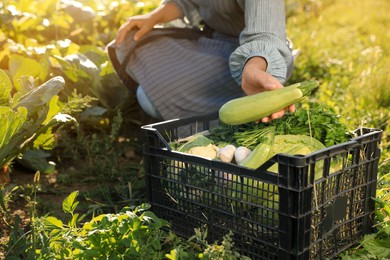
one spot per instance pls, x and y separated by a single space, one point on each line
21 206
49 197
18 206
22 211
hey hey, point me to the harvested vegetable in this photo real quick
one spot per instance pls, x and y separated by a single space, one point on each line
252 137
290 143
296 144
195 141
258 156
208 151
241 154
254 107
226 154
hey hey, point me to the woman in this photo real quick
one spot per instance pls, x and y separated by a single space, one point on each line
242 50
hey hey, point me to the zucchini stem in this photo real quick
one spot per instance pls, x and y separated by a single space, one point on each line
308 86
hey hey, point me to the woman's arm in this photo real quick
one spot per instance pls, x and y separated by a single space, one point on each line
263 61
144 23
264 36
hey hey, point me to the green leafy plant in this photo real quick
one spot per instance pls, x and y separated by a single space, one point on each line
19 237
223 251
27 115
6 198
133 233
67 39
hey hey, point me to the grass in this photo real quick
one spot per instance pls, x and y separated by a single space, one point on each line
346 46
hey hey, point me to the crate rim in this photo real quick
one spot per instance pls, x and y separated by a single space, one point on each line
312 157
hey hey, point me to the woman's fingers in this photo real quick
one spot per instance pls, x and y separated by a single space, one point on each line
274 116
291 108
123 31
266 119
141 32
144 25
279 114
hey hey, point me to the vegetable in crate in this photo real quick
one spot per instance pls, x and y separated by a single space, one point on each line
288 144
258 192
254 107
260 154
296 144
191 142
226 153
201 146
241 153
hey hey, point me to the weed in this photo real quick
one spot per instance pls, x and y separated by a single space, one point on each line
133 233
103 158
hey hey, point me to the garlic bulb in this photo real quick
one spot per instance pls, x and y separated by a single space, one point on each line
241 153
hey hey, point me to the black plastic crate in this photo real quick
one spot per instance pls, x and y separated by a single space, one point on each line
273 215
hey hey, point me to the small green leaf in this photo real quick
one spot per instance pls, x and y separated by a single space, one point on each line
37 160
69 204
56 232
172 254
92 253
73 221
378 247
5 88
54 109
150 217
22 67
386 230
52 222
2 200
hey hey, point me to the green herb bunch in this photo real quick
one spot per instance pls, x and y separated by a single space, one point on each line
311 119
316 120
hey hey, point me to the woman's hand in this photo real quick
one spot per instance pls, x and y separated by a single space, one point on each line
145 23
255 80
142 23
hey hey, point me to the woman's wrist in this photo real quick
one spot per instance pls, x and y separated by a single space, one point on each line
255 79
258 62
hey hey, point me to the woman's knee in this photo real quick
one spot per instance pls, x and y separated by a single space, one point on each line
146 104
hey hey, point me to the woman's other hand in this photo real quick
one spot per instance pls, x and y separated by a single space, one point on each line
142 23
145 23
255 80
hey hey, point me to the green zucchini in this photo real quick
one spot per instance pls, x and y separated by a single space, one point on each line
254 107
258 156
260 153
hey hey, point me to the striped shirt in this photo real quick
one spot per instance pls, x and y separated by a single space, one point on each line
188 77
260 25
